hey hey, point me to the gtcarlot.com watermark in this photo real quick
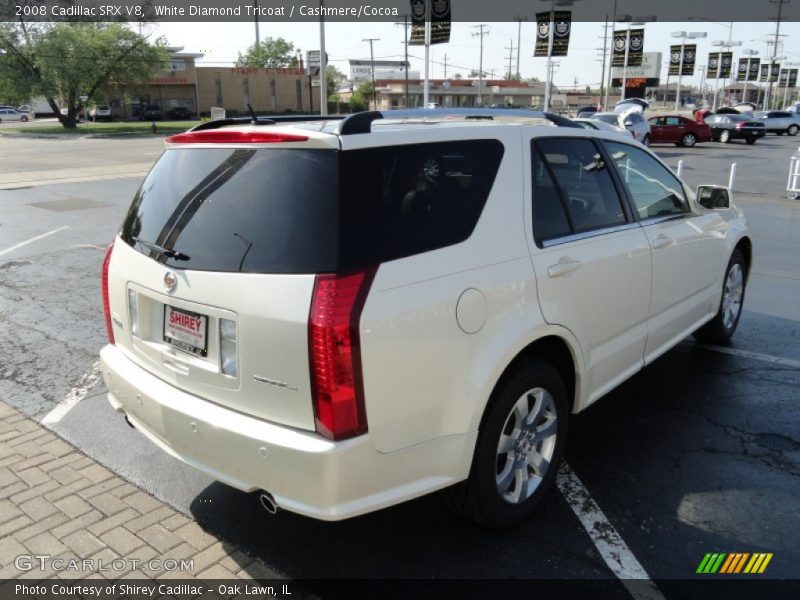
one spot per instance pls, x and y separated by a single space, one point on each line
45 562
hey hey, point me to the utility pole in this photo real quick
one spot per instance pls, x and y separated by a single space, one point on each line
372 68
780 4
323 64
483 30
405 43
605 50
258 36
519 19
445 66
510 49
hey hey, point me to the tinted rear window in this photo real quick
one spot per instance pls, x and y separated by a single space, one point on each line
310 211
248 210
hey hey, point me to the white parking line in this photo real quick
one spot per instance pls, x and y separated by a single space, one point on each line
778 360
608 542
33 239
75 395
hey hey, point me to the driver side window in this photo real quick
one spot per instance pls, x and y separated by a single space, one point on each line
656 192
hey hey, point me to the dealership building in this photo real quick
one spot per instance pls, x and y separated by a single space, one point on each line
198 88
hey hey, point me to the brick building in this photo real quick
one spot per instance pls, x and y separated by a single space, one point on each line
184 84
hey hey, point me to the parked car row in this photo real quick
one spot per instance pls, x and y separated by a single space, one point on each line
726 125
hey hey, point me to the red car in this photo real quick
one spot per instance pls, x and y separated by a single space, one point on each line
672 129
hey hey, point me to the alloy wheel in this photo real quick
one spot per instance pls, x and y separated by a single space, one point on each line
526 446
732 296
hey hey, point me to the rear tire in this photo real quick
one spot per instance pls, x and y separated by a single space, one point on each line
792 131
520 445
689 140
750 141
24 119
720 329
725 136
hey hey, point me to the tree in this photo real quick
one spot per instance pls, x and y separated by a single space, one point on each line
335 79
64 61
270 53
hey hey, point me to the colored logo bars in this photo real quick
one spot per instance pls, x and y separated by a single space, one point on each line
719 65
562 26
635 39
748 69
439 17
734 562
685 66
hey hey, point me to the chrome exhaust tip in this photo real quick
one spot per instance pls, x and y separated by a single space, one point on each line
268 502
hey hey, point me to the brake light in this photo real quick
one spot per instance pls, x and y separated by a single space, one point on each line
334 353
740 125
106 304
221 136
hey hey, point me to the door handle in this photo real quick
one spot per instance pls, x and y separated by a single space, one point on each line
564 267
662 241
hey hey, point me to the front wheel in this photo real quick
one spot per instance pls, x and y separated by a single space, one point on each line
24 119
750 141
688 140
792 130
519 447
720 329
725 136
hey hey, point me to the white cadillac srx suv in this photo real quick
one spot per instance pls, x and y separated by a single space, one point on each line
348 313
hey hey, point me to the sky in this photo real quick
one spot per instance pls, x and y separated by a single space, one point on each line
221 43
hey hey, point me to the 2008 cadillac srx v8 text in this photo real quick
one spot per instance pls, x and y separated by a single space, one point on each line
349 313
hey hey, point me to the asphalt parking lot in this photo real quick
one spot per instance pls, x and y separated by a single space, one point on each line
698 453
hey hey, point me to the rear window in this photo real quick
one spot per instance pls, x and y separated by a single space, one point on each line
610 119
307 210
240 210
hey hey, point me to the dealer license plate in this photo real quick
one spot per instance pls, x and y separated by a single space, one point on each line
187 331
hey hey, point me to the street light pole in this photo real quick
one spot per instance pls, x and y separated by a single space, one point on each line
684 36
727 46
323 63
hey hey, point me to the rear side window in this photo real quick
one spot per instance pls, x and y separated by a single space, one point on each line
573 171
398 201
240 210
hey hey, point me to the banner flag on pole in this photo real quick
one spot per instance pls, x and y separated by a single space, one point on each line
440 21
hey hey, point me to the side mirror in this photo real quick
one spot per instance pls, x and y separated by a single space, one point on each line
713 196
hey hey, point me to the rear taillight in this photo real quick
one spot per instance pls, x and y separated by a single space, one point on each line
334 353
740 125
106 304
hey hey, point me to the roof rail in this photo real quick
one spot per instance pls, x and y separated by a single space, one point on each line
362 122
264 120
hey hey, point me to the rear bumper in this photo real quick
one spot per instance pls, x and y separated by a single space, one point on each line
304 472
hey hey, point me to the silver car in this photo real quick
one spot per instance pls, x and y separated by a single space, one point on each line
10 114
633 121
779 121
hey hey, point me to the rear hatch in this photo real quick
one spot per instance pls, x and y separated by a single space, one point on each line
223 313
